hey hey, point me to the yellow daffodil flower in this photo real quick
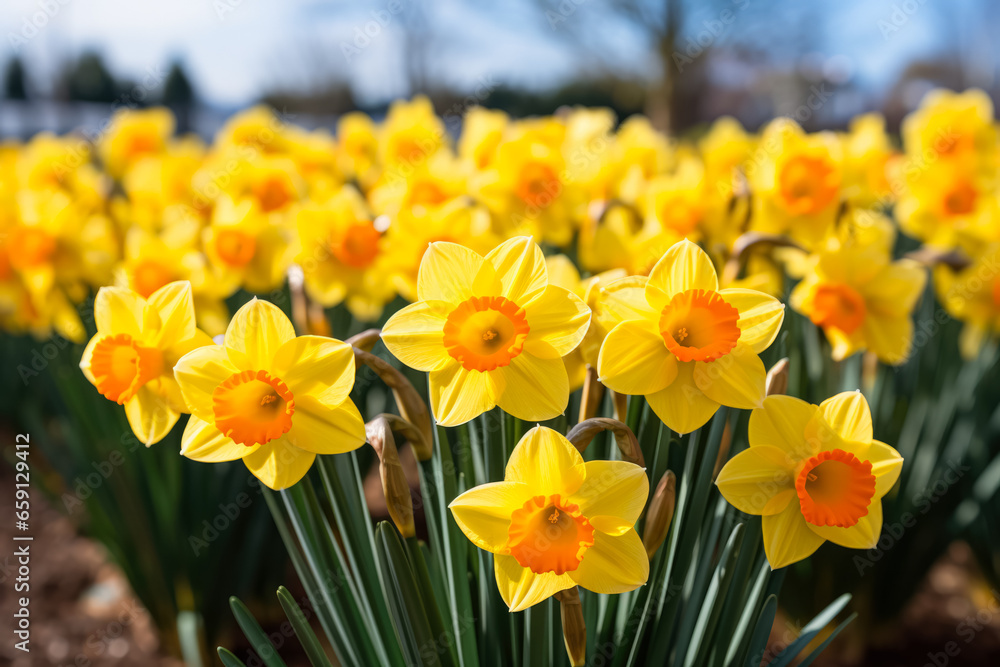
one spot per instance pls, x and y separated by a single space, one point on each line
131 357
490 331
482 132
952 127
796 180
686 345
410 135
861 299
556 522
134 134
342 254
528 189
676 202
246 247
357 148
269 398
972 295
814 473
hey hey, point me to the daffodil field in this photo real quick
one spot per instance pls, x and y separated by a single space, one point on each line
658 391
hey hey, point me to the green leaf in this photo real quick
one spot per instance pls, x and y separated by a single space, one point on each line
254 634
808 660
409 619
228 659
761 631
811 630
310 644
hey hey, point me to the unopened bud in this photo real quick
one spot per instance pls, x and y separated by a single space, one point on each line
411 407
661 513
776 383
574 627
394 484
581 435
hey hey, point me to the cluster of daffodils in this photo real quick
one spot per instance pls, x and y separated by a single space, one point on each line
494 331
356 210
515 264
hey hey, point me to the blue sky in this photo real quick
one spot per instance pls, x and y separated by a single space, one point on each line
235 50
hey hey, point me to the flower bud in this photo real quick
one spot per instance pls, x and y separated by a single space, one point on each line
777 378
574 627
661 513
394 484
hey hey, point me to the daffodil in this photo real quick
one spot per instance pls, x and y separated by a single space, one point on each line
527 188
814 473
686 345
490 331
868 159
482 132
131 357
861 298
246 247
269 398
342 254
972 295
410 135
796 180
556 522
133 134
952 127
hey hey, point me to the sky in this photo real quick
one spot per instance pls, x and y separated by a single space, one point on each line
237 50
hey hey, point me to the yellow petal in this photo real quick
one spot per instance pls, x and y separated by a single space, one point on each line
758 480
781 423
862 535
761 316
623 300
174 307
458 395
635 360
683 267
547 463
886 463
895 290
520 266
316 365
483 512
278 464
87 356
612 489
198 373
258 329
890 338
735 380
614 564
562 271
533 388
323 428
682 406
521 588
453 273
150 415
202 441
558 317
849 415
788 538
415 335
118 310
